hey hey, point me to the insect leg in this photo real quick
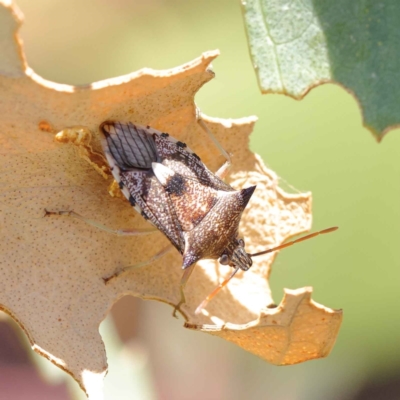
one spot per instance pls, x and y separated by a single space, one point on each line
156 256
118 232
222 171
185 277
215 292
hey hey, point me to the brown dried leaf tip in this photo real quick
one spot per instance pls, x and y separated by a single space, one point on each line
54 266
299 329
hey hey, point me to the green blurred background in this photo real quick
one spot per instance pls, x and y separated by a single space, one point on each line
317 144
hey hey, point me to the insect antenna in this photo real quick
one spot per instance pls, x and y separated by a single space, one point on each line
282 246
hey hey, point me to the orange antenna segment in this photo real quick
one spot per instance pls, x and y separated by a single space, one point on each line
282 246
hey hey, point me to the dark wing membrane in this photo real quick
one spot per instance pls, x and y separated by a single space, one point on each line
134 146
131 146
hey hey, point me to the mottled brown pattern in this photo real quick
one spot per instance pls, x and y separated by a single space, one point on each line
188 164
193 203
217 233
155 203
196 210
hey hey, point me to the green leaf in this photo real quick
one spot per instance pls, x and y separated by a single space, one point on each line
298 44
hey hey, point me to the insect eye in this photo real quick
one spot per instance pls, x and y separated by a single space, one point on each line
224 259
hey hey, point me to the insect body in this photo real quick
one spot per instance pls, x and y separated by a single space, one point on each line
168 185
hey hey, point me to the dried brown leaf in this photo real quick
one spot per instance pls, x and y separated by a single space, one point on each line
52 268
298 330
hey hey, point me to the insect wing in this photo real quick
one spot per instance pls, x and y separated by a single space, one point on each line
129 146
177 197
181 159
130 151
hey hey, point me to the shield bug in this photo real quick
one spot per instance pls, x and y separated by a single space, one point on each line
168 185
